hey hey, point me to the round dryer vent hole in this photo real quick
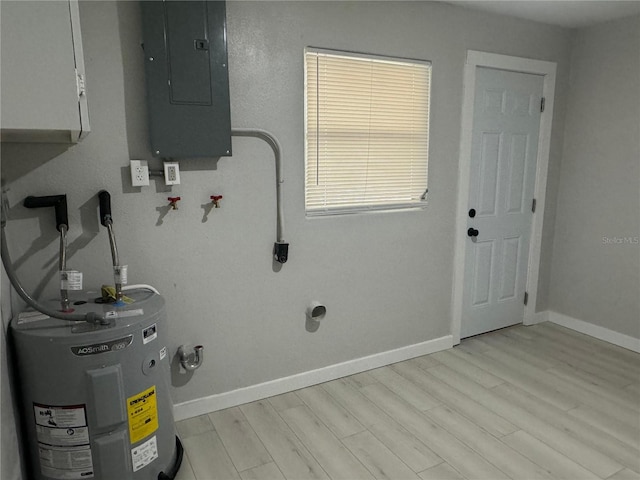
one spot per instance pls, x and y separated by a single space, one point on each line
319 312
316 311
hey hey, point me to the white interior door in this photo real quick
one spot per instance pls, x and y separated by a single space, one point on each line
506 124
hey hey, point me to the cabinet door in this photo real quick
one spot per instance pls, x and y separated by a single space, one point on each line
42 98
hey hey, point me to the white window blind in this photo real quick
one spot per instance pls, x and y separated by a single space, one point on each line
366 132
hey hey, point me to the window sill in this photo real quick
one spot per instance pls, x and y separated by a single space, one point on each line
367 211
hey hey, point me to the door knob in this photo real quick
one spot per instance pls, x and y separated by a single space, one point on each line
472 232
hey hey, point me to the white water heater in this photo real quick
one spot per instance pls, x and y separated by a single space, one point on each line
95 398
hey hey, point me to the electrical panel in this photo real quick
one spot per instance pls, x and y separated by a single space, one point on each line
185 49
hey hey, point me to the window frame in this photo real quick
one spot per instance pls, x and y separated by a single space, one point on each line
419 204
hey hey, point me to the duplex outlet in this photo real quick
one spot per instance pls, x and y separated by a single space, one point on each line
139 173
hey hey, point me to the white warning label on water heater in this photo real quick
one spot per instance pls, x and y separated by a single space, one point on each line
63 441
69 463
70 280
149 334
144 454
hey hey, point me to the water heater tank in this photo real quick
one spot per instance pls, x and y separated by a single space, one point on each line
95 399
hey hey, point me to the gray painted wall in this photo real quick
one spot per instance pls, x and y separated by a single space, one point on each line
385 278
596 252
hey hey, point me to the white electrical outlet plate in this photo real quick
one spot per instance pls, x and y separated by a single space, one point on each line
171 173
139 173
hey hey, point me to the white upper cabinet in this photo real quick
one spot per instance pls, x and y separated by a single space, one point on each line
43 97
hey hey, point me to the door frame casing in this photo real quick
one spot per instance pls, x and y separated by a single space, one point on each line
546 69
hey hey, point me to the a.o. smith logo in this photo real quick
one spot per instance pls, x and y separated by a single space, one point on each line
96 348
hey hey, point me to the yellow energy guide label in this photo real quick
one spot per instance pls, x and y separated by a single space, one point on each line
142 410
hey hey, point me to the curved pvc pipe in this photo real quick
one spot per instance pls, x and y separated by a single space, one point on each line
91 317
275 146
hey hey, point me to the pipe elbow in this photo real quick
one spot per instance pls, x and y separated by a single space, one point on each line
191 357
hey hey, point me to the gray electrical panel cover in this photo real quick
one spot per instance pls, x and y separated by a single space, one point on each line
185 48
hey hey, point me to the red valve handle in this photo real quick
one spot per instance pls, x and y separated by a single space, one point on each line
216 200
174 202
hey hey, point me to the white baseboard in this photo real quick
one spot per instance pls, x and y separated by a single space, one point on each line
220 401
601 333
537 317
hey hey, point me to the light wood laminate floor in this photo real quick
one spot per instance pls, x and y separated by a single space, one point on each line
539 402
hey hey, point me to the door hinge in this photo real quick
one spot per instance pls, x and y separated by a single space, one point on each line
533 205
526 297
542 102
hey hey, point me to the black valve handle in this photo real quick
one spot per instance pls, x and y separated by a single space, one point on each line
472 232
105 207
59 202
